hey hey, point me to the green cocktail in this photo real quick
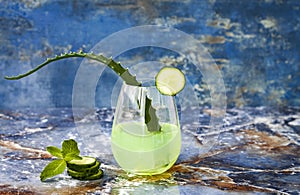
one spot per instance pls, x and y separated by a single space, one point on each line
148 153
136 149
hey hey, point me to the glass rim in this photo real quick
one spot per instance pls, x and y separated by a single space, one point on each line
144 83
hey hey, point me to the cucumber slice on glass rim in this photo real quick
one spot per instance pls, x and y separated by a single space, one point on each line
169 81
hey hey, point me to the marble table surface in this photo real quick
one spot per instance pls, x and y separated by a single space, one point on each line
256 152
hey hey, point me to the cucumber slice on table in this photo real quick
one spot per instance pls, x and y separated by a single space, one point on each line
169 81
85 162
84 172
94 176
97 175
85 169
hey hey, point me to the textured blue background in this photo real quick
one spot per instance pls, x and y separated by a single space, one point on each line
256 44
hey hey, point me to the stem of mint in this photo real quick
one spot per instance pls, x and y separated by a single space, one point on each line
151 118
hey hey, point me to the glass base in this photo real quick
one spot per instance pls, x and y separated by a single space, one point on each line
153 171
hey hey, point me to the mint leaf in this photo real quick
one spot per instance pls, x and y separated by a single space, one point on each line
70 146
53 168
55 151
72 156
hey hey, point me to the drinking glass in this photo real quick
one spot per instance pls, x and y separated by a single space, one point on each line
136 149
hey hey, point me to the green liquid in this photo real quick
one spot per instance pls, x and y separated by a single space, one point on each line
145 153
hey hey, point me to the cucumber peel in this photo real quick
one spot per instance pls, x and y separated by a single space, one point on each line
170 81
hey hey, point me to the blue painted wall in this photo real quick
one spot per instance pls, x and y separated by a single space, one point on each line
256 45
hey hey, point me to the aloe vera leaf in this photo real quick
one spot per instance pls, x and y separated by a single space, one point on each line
116 67
151 119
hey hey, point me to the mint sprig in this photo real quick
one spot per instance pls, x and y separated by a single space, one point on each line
68 152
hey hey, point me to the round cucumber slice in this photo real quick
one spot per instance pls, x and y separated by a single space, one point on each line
95 176
169 81
84 172
85 162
